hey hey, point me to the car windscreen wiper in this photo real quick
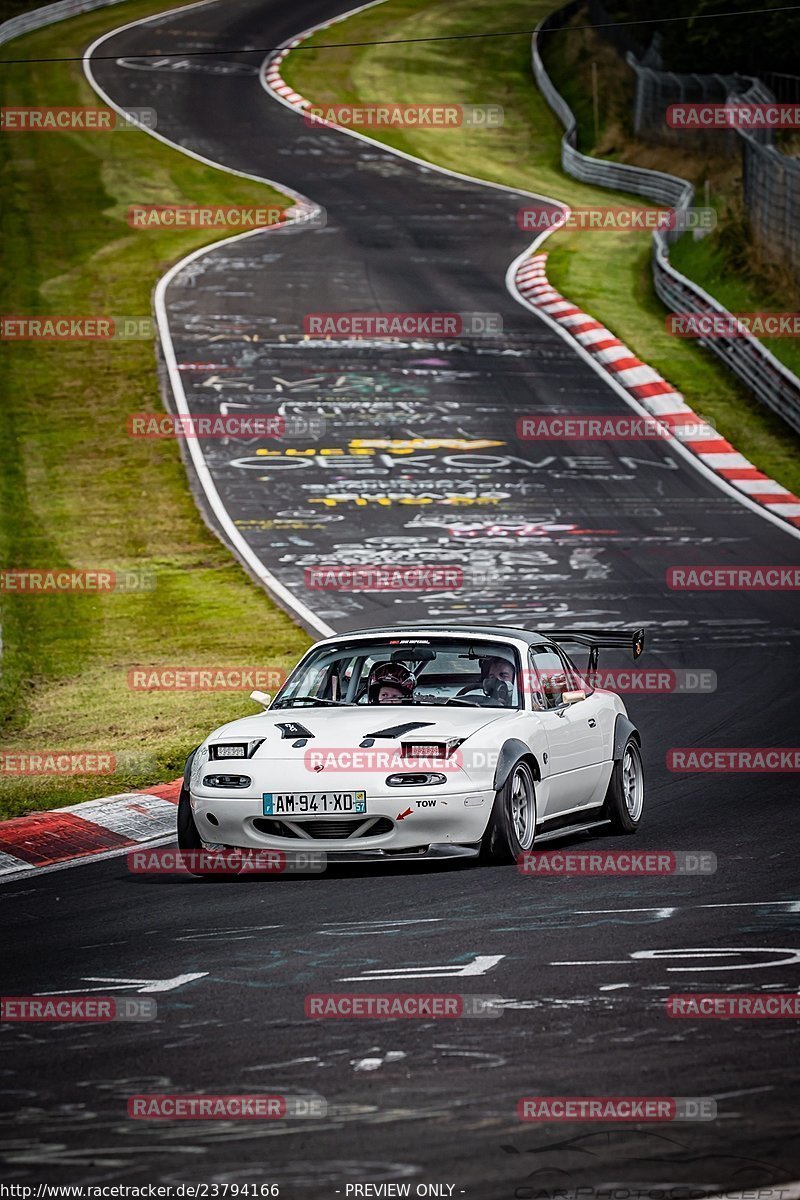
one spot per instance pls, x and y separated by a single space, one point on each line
306 700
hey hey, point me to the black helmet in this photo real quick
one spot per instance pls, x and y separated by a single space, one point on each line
390 674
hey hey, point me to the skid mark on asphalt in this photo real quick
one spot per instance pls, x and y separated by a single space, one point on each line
239 934
365 928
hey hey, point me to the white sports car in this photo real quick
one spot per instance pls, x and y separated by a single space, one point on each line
430 741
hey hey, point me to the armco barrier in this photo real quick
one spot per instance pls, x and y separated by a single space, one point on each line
769 380
37 18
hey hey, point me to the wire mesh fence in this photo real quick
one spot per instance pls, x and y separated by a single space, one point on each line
770 179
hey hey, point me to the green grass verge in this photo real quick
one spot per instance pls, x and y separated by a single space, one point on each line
723 268
608 273
76 490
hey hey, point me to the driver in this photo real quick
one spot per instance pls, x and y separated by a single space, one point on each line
498 674
390 683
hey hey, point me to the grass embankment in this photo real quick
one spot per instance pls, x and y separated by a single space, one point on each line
76 490
606 272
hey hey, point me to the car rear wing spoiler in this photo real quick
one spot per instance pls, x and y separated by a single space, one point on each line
600 639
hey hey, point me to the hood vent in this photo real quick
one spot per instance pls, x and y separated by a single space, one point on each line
293 729
395 731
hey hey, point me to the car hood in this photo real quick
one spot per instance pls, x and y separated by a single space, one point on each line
348 727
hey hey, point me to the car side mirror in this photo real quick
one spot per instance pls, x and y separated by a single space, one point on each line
572 697
262 698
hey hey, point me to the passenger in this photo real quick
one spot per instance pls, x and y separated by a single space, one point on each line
390 683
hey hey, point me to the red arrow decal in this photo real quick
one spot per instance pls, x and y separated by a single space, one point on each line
407 813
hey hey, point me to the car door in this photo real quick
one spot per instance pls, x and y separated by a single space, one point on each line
573 731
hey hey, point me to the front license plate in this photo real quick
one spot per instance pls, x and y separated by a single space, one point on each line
314 804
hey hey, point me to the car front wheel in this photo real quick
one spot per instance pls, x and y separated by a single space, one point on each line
188 836
625 795
189 840
512 824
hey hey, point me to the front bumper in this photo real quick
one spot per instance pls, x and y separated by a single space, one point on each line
439 817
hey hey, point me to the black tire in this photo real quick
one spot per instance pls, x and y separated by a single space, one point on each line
188 836
507 837
189 839
625 796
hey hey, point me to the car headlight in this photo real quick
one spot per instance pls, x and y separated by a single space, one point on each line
227 781
234 749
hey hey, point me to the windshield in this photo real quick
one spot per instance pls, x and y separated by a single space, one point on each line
406 671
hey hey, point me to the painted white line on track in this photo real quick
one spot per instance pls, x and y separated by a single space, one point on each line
479 966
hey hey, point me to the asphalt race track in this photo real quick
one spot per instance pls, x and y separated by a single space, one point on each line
559 533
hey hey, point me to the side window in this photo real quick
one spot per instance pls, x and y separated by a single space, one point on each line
550 677
319 682
358 675
577 680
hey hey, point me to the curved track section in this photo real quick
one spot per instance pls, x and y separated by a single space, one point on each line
420 463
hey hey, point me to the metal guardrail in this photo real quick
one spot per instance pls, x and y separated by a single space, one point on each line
38 18
770 381
640 181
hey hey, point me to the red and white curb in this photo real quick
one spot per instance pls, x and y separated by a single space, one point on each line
273 77
653 393
104 827
271 72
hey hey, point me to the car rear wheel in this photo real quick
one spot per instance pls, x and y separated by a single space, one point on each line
625 795
512 824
